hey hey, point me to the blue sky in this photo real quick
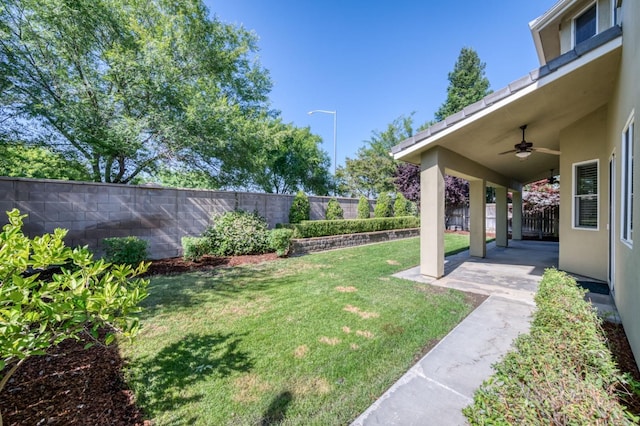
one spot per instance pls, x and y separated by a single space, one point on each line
373 61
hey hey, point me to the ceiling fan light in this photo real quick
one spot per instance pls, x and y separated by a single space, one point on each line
523 154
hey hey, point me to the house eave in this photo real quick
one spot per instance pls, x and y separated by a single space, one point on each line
409 150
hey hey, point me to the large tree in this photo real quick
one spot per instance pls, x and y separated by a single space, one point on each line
288 159
372 171
467 84
129 85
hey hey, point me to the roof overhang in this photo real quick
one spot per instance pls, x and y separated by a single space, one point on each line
557 98
538 24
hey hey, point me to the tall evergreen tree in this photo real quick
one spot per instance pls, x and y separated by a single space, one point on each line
467 84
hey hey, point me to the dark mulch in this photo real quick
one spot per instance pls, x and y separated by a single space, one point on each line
74 386
177 265
619 346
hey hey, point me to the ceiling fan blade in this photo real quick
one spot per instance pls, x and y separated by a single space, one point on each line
547 151
511 151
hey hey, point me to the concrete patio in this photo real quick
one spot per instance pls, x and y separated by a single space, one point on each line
442 383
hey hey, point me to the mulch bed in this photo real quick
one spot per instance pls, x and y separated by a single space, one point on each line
74 386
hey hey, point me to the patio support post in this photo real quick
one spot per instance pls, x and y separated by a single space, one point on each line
432 215
478 217
516 215
502 224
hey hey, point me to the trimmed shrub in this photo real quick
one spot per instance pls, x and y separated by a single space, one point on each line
560 373
383 207
364 210
334 210
300 208
401 206
322 228
280 241
237 233
193 248
125 250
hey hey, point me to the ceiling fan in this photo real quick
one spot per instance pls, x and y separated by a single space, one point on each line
524 148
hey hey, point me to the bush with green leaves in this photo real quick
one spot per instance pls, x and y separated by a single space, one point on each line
334 210
280 240
560 373
300 208
322 228
401 206
383 207
81 297
193 248
237 233
128 250
364 210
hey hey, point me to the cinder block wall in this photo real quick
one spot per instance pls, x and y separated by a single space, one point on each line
162 216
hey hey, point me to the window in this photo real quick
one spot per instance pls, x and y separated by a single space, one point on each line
627 182
585 199
585 25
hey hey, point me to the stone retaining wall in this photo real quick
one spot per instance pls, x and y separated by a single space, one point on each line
310 245
162 216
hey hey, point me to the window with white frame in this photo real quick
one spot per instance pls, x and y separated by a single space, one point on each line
627 183
585 25
585 195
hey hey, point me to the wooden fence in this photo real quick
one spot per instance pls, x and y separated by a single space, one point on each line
533 225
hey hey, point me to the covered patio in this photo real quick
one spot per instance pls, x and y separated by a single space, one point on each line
563 105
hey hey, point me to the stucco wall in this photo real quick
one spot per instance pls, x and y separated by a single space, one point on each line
584 140
162 216
626 100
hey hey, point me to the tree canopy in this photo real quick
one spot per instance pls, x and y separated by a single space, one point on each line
21 160
467 84
128 85
372 171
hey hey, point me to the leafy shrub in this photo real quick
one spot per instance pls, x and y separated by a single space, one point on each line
300 208
86 295
364 210
237 233
401 206
383 207
280 240
193 248
334 210
560 373
125 250
321 228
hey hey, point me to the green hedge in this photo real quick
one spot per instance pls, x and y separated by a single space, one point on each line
560 373
322 228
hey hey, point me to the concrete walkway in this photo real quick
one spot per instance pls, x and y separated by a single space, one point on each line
440 385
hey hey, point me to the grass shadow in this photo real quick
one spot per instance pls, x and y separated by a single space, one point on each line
276 412
160 381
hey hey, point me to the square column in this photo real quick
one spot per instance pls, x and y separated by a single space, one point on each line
431 215
502 217
516 217
477 217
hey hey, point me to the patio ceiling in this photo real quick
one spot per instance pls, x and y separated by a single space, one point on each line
547 106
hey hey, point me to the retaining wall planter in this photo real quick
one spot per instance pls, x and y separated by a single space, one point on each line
309 245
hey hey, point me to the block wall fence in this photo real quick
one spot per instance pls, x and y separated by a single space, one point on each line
161 216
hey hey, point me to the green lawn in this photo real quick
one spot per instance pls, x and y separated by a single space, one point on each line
307 340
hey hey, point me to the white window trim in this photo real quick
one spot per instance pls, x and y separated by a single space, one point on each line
573 195
625 206
577 15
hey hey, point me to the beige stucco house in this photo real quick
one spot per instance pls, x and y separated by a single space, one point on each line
580 108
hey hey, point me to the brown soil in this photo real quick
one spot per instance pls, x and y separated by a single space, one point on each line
74 386
619 346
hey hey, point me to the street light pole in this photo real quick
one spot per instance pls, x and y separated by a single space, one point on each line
335 134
